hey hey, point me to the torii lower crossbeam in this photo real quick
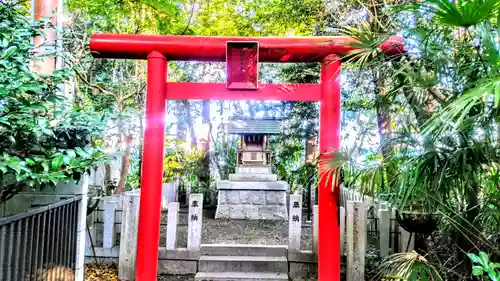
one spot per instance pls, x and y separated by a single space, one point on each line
157 49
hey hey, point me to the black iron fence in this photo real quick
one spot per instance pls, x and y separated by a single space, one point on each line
40 244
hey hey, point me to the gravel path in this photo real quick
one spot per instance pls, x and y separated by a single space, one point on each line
237 232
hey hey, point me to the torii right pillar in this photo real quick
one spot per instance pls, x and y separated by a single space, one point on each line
329 140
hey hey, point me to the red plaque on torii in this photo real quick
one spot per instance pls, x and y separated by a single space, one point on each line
242 65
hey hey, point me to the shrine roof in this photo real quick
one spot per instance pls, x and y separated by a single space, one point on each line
267 126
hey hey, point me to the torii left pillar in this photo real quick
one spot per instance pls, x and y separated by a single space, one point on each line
152 174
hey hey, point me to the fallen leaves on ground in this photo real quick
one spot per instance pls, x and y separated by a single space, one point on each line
101 272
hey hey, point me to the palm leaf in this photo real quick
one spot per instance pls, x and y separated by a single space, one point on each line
407 266
456 113
458 13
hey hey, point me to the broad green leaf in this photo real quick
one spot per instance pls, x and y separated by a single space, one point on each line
477 270
484 259
9 52
57 162
45 166
474 258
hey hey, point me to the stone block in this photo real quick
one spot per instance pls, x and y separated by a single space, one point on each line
178 254
273 212
275 198
222 211
255 169
222 197
253 177
179 267
258 197
240 276
233 197
235 212
242 264
256 185
303 271
302 256
243 250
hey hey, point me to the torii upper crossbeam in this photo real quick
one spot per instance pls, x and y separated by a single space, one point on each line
241 55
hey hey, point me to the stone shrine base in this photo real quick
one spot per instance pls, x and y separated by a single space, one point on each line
252 200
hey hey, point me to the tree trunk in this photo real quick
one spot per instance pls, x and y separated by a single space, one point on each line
125 164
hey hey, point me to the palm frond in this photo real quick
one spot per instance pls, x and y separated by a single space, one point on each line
456 113
456 13
367 44
408 266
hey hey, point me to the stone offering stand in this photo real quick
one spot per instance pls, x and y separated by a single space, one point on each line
115 224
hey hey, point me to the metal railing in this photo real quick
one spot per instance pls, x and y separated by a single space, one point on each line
40 244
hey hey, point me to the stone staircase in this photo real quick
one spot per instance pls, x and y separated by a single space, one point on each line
242 262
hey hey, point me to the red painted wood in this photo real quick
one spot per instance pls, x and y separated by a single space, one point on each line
329 139
218 91
242 65
199 48
152 170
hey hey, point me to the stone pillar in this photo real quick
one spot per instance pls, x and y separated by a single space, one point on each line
384 228
173 218
187 186
312 198
356 240
195 221
342 230
315 228
110 205
407 241
295 223
81 229
128 236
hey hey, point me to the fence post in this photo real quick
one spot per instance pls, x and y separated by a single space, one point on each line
110 205
356 240
342 230
173 218
187 186
128 236
384 228
81 229
295 223
407 241
315 228
195 222
312 198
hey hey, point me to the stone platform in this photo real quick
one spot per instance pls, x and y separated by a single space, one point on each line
254 194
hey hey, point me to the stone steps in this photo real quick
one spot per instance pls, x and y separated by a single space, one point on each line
240 276
243 264
243 250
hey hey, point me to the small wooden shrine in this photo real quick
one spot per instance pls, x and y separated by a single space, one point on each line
254 149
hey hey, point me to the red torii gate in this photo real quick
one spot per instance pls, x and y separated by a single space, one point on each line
241 55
